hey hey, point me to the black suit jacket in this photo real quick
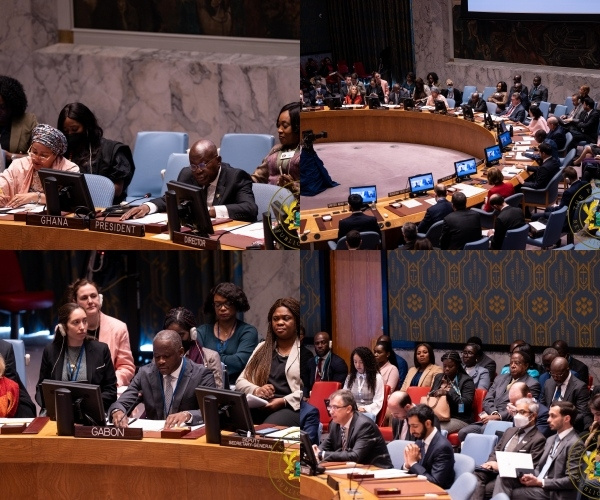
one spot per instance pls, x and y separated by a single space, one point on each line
588 127
26 408
496 398
359 221
467 394
538 94
100 369
543 174
335 371
457 96
558 135
580 368
479 106
533 442
149 381
398 427
489 364
460 227
364 444
508 218
438 463
234 190
434 214
577 393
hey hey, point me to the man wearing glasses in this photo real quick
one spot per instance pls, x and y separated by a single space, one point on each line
352 437
228 190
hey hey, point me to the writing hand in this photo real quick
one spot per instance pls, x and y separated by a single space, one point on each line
119 419
136 212
177 419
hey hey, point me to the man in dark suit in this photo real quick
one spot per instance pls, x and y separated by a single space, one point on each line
352 437
517 84
228 190
398 94
357 220
538 92
431 455
516 111
26 408
587 128
543 174
507 218
310 420
461 226
557 469
452 93
522 438
438 211
563 386
477 103
577 366
325 366
168 385
399 404
556 133
482 358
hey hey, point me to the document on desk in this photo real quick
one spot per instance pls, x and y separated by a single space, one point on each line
508 461
379 474
15 421
288 433
411 203
30 207
431 201
469 190
255 401
510 172
520 156
156 218
254 230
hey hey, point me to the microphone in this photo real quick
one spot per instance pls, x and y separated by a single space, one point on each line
120 209
137 401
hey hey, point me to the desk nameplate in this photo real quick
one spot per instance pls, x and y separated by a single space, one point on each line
112 227
256 443
56 221
192 241
106 432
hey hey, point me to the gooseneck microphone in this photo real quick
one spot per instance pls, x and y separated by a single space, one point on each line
120 209
137 401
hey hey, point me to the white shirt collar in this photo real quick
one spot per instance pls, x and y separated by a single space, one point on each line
175 373
428 439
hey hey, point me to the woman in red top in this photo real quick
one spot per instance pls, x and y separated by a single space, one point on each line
496 180
353 96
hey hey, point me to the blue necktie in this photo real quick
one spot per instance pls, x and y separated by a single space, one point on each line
421 445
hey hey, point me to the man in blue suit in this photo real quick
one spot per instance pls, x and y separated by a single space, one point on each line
436 212
516 111
358 220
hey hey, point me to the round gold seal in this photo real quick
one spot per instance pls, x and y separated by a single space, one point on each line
283 217
584 465
284 466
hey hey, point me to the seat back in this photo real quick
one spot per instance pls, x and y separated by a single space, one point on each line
245 151
544 196
265 194
488 91
486 219
319 393
569 104
396 451
569 156
370 240
496 425
451 103
482 244
463 486
19 350
479 446
434 232
560 109
175 164
11 279
2 160
478 403
492 107
381 415
467 91
568 144
544 108
150 155
416 393
514 200
102 190
462 463
554 227
516 239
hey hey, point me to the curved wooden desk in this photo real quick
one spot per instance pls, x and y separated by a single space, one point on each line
49 466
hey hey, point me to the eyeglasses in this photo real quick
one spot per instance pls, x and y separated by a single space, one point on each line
558 374
196 166
468 353
226 305
334 407
43 156
523 412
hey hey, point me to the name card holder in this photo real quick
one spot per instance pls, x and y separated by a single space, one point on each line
56 221
36 425
254 442
106 432
123 228
198 242
12 428
398 193
337 204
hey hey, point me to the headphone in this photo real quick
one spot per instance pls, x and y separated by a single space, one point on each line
100 300
194 333
61 329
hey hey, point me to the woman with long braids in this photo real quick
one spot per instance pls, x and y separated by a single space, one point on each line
75 356
365 382
273 371
183 321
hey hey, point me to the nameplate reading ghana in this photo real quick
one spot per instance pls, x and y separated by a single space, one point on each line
99 432
254 442
56 221
398 193
103 226
192 241
338 204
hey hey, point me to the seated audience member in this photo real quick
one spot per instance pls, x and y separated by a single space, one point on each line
399 403
587 127
409 82
461 226
273 370
425 369
386 362
365 382
538 122
423 244
409 233
357 220
524 437
437 212
352 436
21 184
555 474
318 93
548 356
518 84
309 421
9 393
361 86
233 339
16 124
398 94
497 397
594 430
182 321
541 137
575 113
325 366
228 190
432 80
521 390
482 358
538 92
104 328
579 367
500 97
431 455
281 167
477 103
479 374
383 84
496 180
374 89
534 369
436 97
452 93
519 89
508 218
421 91
353 96
564 386
400 363
556 132
304 100
345 85
167 385
515 111
76 357
92 152
25 406
590 151
459 389
353 240
543 174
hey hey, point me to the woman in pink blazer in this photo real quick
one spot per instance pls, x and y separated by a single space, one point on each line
425 369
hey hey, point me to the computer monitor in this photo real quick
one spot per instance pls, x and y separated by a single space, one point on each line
440 107
420 184
66 192
232 407
409 103
504 139
465 168
492 155
373 102
88 408
488 121
333 102
468 112
368 193
192 209
307 456
501 128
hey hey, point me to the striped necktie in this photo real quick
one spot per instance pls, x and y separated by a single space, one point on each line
344 443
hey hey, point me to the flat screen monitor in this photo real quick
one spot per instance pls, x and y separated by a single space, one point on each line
492 155
373 102
502 127
409 103
504 139
368 193
467 112
192 210
465 168
87 401
234 413
334 102
421 183
307 455
66 192
440 107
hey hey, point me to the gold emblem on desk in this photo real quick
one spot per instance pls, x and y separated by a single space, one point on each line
284 465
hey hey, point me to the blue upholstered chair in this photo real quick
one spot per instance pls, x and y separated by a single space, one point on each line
264 194
482 244
516 239
553 230
102 190
175 164
463 486
245 151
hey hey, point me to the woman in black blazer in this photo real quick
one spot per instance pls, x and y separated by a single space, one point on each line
459 390
74 356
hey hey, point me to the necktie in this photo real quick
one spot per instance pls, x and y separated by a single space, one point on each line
514 441
557 394
421 445
168 393
319 368
511 383
343 429
549 460
404 434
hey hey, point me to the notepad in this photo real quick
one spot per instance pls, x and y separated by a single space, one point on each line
411 203
508 461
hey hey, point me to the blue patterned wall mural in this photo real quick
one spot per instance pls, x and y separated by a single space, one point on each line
313 294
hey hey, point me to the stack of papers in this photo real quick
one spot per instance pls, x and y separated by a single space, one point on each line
470 190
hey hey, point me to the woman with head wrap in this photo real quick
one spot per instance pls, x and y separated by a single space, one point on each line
21 184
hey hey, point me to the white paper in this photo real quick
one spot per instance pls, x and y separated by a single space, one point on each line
538 226
508 461
255 401
411 203
431 201
148 425
289 432
156 218
29 207
524 140
521 157
254 230
15 421
469 190
389 473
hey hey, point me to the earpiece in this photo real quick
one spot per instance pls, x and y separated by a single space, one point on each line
194 333
61 329
100 300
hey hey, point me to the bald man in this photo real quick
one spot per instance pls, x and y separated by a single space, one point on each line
228 190
556 132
